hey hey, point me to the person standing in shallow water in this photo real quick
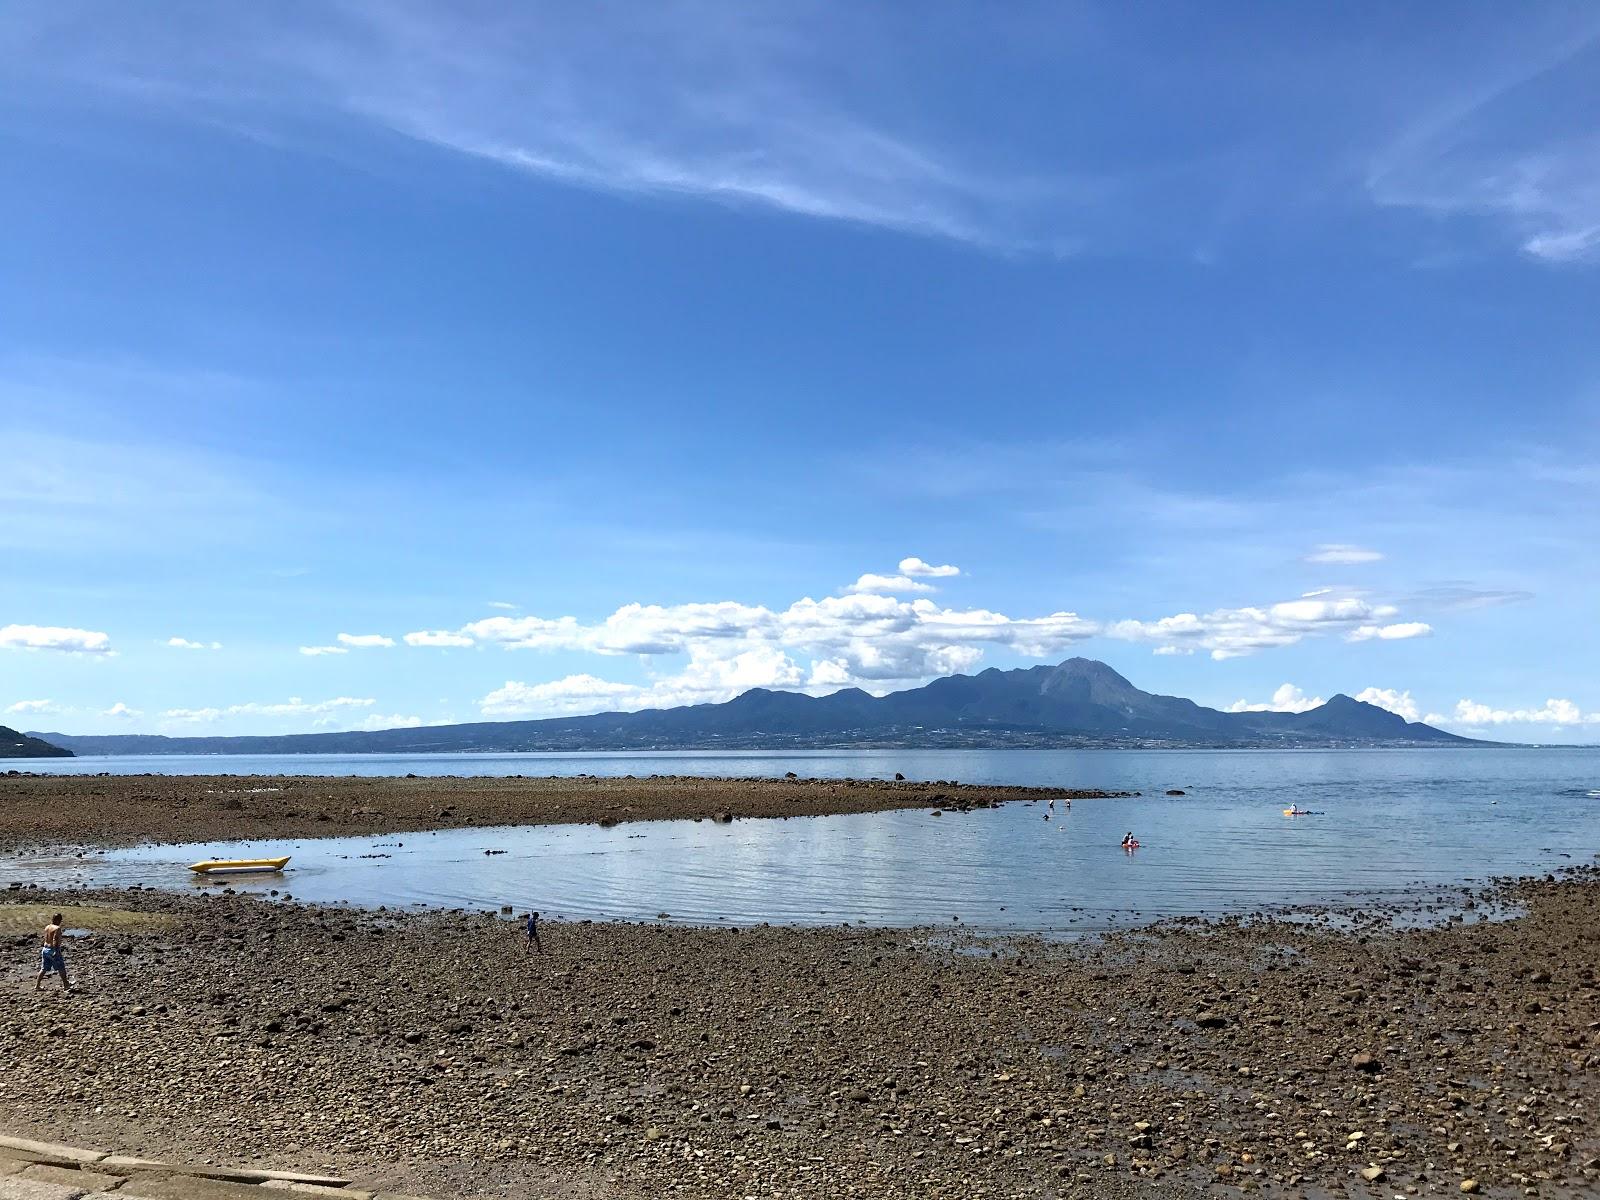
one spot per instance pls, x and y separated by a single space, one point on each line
533 935
51 956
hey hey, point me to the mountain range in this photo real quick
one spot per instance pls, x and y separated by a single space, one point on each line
1079 702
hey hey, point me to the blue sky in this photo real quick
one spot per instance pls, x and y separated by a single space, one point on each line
628 354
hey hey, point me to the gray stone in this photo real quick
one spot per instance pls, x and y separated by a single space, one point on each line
88 1181
14 1187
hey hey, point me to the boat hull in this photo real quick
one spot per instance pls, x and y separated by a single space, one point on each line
240 866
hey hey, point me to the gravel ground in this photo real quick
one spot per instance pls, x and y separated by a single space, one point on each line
38 811
428 1053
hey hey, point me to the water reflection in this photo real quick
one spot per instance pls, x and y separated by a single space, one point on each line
1204 854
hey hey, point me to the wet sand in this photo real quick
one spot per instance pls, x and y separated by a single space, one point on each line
38 811
430 1053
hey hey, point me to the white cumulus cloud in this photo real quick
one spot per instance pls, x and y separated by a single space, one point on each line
318 651
365 641
1288 698
862 638
121 711
1554 712
54 637
1399 703
887 584
376 721
916 567
560 697
707 678
33 707
179 643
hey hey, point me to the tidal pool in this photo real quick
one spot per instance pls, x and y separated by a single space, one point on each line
1003 869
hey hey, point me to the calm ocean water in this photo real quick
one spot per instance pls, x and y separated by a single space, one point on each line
1392 821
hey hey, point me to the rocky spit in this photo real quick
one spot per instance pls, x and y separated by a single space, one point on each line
430 1053
38 811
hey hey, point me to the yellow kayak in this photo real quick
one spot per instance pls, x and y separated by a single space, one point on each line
239 866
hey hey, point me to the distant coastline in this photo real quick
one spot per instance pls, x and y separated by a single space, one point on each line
778 746
1076 704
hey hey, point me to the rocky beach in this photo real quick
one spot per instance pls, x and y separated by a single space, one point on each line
428 1052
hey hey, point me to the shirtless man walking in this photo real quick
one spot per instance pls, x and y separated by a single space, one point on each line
51 956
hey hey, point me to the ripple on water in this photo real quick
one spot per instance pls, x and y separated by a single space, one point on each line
1215 852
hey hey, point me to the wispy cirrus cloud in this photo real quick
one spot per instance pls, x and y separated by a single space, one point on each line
730 103
1514 144
843 113
293 707
1457 595
83 474
1340 554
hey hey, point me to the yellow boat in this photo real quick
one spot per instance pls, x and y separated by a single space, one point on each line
239 866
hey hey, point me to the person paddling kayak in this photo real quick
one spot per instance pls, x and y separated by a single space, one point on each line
1129 842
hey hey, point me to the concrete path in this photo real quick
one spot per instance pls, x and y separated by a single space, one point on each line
31 1170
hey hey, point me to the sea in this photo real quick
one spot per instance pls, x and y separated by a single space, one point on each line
1408 832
